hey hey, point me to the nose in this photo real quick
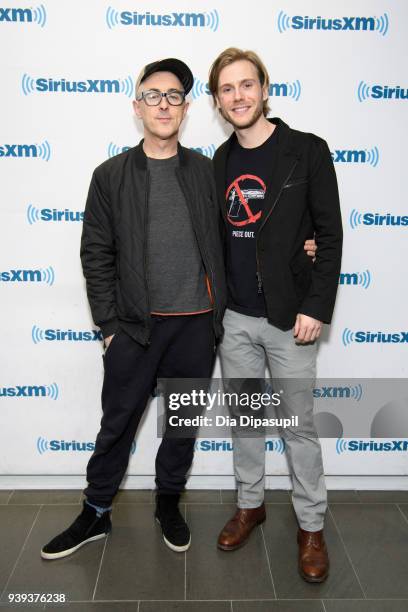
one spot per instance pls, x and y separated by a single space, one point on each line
164 105
237 93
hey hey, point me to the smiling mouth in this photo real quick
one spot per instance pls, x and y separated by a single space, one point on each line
240 110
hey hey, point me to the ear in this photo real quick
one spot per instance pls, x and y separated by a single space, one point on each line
136 108
217 102
186 105
265 93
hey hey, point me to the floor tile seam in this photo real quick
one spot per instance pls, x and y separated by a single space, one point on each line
327 599
347 553
21 552
100 567
403 515
268 560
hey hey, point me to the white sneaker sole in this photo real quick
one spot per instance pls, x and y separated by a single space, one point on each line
69 551
173 546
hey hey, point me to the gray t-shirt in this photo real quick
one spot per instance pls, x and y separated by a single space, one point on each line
176 275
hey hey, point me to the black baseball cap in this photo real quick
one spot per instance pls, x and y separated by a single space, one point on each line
176 66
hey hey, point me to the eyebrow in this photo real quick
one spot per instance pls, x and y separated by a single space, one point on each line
240 82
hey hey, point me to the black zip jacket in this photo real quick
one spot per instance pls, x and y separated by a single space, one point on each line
301 201
114 239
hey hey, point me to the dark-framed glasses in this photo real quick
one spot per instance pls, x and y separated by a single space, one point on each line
152 97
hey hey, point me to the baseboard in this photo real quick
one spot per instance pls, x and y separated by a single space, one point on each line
392 483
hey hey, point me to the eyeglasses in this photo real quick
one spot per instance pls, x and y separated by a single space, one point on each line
152 97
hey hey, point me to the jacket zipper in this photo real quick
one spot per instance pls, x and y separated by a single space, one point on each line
258 267
145 251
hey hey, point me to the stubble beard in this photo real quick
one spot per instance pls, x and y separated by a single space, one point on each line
239 126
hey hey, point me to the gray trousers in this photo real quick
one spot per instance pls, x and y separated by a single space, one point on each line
249 344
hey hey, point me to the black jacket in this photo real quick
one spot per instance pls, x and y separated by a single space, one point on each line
301 201
114 239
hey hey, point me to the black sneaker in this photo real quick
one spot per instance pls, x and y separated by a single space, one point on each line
176 533
87 527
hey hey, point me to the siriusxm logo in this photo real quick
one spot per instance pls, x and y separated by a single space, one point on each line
354 393
381 92
360 446
44 445
356 156
208 19
52 214
286 89
358 279
35 15
348 24
50 391
277 445
114 149
207 151
49 85
357 218
57 335
369 337
41 151
43 275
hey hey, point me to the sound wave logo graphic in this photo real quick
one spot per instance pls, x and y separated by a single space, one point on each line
112 17
372 156
294 90
48 275
114 149
40 15
382 24
363 91
278 445
212 20
357 392
44 150
33 214
199 88
364 279
341 446
283 22
347 336
355 218
27 84
37 334
127 86
52 391
42 445
207 151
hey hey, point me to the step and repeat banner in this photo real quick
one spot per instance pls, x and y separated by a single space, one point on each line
337 69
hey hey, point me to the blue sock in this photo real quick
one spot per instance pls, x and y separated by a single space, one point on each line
99 509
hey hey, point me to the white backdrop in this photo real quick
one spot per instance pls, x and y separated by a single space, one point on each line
344 79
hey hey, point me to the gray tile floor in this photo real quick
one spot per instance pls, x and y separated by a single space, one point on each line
133 570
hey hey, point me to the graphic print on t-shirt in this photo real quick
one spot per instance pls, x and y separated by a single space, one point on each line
244 202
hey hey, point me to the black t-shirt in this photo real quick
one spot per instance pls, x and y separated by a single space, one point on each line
249 173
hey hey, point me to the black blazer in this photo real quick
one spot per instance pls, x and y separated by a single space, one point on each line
301 201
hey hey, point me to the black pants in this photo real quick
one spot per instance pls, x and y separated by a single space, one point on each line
181 347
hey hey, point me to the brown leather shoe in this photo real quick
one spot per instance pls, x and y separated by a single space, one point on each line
237 531
313 557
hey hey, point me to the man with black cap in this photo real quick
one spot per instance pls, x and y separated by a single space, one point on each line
155 283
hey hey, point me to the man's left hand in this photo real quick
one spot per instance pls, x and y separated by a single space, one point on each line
306 329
